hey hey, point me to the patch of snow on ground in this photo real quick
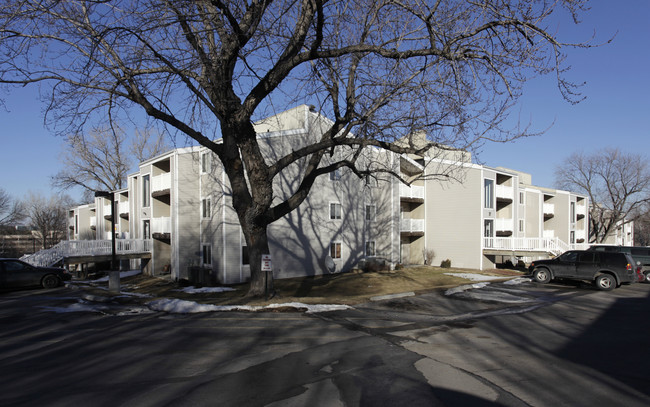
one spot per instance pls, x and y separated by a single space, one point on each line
177 306
192 290
474 277
518 280
462 288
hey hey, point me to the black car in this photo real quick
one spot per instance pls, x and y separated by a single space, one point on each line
17 273
606 269
640 254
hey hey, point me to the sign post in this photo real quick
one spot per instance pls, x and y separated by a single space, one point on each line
267 267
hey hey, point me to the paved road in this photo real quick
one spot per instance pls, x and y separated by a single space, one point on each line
511 346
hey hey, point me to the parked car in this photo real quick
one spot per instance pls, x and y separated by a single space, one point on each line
640 254
606 270
17 273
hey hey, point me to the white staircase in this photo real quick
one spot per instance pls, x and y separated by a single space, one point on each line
71 248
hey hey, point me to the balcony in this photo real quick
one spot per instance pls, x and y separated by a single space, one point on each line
93 222
505 193
161 183
123 209
505 224
581 211
411 227
161 228
412 193
549 210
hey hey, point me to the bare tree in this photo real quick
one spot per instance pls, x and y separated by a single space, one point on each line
48 217
11 210
618 186
379 69
102 158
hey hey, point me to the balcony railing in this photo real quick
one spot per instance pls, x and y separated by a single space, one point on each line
161 182
161 225
123 207
581 210
412 225
504 224
549 208
413 191
504 191
533 244
72 248
93 222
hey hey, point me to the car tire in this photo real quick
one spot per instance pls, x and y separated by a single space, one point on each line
647 277
541 275
50 281
605 282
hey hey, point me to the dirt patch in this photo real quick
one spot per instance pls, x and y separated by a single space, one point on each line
343 288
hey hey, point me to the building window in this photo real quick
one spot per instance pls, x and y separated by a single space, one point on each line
146 191
245 257
521 225
488 189
335 210
207 254
370 248
573 212
335 250
146 229
488 228
522 198
206 163
371 212
205 207
335 175
572 237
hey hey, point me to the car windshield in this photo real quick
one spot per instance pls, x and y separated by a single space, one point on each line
568 256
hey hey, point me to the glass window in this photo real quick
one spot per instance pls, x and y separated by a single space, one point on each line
207 254
521 225
573 212
371 212
335 210
245 257
370 248
146 191
146 230
335 250
206 162
488 189
205 204
335 175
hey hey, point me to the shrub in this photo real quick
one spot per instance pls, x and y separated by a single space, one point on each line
445 264
428 254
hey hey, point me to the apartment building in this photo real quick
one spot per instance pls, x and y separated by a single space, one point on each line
181 203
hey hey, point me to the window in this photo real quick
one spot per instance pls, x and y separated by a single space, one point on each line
370 248
371 212
335 250
521 225
206 162
335 175
206 252
488 188
573 212
522 198
146 229
205 207
572 237
245 257
488 228
146 191
335 210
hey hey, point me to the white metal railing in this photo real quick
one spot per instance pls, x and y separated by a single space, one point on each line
70 248
411 225
161 182
504 191
161 225
549 208
505 224
412 191
554 245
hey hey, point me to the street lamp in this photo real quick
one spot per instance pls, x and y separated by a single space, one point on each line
111 197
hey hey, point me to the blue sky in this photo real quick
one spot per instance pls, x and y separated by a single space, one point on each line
616 112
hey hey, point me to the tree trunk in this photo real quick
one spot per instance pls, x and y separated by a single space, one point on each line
258 244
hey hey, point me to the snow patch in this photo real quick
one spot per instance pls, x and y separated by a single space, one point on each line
518 280
462 288
123 274
474 277
177 306
192 290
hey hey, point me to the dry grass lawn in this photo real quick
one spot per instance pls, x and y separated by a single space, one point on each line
344 288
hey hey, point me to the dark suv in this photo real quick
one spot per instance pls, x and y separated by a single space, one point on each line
640 254
606 269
